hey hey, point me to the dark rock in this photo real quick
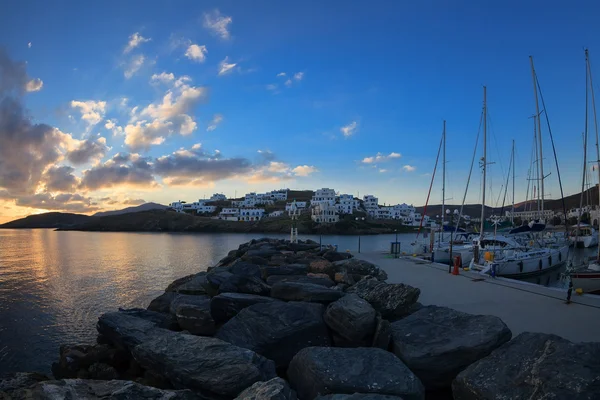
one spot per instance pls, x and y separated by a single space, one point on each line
178 282
245 284
126 331
344 278
259 260
276 260
274 389
296 291
352 318
161 320
196 318
437 343
327 370
362 268
95 390
289 269
277 330
533 366
383 334
209 366
162 303
358 396
264 252
391 300
216 277
17 380
303 246
76 358
322 267
187 299
246 269
333 256
273 279
102 371
195 286
227 305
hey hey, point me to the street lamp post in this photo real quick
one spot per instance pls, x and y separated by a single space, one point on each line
359 219
396 243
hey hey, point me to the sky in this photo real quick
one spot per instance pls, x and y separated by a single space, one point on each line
109 104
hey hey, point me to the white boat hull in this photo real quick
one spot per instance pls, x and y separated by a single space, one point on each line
586 241
442 256
521 264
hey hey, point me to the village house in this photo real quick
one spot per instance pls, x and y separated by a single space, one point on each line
251 214
347 204
229 214
323 196
218 197
325 213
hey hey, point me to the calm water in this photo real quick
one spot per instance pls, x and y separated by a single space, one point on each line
54 285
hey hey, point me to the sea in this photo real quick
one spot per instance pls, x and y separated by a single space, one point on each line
54 285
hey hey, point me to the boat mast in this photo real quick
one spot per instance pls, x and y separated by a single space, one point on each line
484 162
541 157
585 137
512 213
443 176
589 70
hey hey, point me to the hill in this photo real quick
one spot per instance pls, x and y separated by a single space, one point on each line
142 207
48 220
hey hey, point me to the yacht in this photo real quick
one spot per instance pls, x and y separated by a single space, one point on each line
587 278
584 236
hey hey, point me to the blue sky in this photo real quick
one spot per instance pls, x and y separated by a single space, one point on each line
389 71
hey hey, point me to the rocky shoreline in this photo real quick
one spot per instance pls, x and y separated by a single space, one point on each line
275 320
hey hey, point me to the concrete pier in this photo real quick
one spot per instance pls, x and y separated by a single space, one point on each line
524 307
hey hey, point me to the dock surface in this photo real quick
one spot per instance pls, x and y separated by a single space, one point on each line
523 306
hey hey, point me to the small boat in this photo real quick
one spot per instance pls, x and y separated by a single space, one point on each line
584 236
587 278
526 262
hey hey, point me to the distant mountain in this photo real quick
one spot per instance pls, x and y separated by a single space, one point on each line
48 220
143 207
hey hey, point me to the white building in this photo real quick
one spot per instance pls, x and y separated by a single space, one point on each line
199 207
325 213
218 197
251 214
535 214
204 209
230 214
323 196
277 213
370 202
347 204
177 205
301 205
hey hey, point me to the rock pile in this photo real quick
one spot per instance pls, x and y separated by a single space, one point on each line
275 320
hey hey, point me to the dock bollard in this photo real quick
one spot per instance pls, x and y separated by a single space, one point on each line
457 264
569 291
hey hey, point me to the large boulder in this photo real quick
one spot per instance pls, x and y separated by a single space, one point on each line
332 255
358 396
437 343
533 366
227 305
17 380
390 300
76 360
277 330
98 389
194 286
126 331
289 269
178 282
318 371
316 280
161 320
196 318
322 267
187 299
297 291
226 282
213 368
383 334
360 268
274 389
246 269
162 303
263 252
351 318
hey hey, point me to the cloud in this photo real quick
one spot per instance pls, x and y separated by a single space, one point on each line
218 24
34 85
88 150
409 168
288 83
382 170
133 202
92 111
153 124
380 158
134 41
113 127
304 170
225 67
163 77
64 202
217 119
134 65
29 45
281 74
298 76
271 87
60 179
349 129
196 53
123 169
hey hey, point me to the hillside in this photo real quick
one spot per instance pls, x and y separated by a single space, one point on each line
47 220
142 207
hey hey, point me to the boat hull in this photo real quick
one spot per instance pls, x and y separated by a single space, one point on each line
589 282
530 263
442 256
586 241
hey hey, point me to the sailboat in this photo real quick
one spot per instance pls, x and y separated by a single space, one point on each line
513 256
587 277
